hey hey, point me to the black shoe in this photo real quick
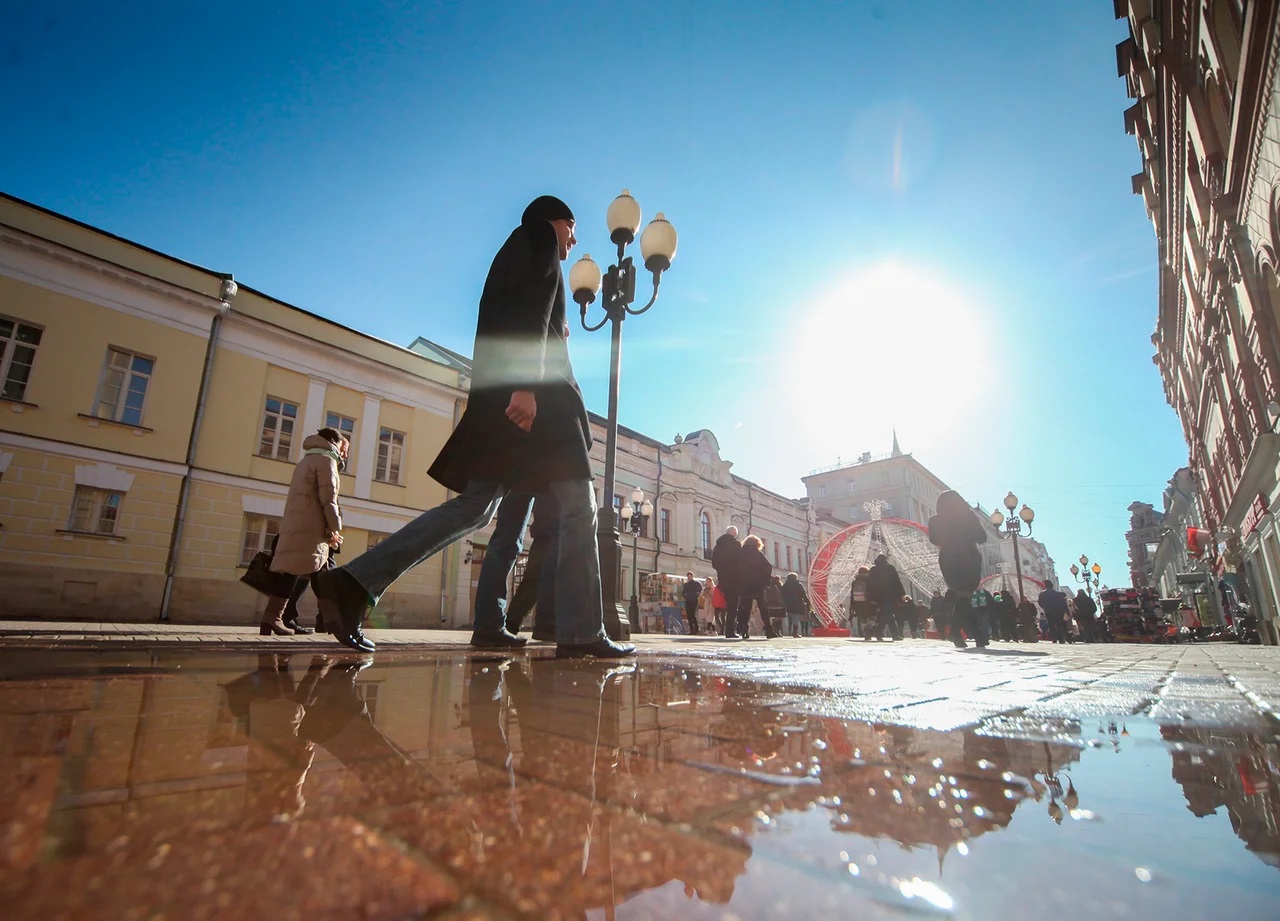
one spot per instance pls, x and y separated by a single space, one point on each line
298 628
496 639
603 648
732 636
343 602
542 637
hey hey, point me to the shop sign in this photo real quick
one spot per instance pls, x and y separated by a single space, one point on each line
1253 517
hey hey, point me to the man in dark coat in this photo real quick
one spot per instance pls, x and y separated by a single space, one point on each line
525 428
1054 605
885 591
724 560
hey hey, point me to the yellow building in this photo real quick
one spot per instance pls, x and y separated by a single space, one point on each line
144 399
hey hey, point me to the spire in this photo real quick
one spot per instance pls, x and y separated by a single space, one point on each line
897 452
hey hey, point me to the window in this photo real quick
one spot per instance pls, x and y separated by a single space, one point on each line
344 424
18 343
852 487
124 387
776 554
788 558
390 455
664 525
705 528
258 531
94 510
278 419
822 490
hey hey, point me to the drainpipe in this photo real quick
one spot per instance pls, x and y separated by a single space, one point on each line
228 291
447 559
751 509
657 495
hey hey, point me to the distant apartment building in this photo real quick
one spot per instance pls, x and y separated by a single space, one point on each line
894 485
1146 529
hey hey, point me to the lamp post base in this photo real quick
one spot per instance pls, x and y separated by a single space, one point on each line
609 544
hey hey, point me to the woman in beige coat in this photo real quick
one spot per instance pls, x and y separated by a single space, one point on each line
312 522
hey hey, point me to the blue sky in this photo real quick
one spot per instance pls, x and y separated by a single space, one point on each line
913 215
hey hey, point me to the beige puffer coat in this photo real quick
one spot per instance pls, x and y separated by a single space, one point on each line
311 511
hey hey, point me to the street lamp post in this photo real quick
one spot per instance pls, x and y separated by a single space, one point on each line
1012 529
634 517
1086 574
657 248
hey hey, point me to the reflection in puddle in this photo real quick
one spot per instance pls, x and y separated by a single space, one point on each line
329 786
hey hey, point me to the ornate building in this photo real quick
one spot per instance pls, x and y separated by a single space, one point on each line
1206 116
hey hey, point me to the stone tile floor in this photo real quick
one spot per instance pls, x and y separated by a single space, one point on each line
153 770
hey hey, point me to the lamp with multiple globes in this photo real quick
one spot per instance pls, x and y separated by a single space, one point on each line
618 287
1012 530
1086 574
634 518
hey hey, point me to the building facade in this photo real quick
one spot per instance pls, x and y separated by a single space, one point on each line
152 412
896 484
1206 116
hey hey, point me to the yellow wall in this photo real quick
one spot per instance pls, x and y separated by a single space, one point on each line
68 368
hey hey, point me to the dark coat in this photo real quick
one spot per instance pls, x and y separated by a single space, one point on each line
520 345
1085 606
884 587
754 571
794 598
691 591
957 535
724 559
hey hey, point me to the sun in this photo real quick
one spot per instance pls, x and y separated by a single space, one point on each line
887 346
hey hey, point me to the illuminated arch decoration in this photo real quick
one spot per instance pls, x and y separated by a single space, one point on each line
904 542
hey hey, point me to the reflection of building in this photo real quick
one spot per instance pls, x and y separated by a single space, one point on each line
1203 80
1238 771
1146 528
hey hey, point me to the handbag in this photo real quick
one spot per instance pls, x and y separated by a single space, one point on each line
258 576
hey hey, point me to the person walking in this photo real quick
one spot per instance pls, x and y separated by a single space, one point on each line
956 531
777 607
861 611
692 592
940 611
795 602
720 605
525 427
1054 605
982 606
724 560
1086 616
906 615
537 588
706 605
754 572
885 591
311 525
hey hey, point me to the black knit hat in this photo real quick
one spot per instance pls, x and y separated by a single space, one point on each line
546 208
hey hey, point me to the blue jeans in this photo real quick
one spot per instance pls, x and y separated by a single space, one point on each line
499 558
579 611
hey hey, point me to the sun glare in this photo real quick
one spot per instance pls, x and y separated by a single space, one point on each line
888 346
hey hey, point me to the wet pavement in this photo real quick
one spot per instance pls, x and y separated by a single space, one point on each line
798 778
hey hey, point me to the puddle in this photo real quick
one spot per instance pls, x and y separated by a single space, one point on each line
180 784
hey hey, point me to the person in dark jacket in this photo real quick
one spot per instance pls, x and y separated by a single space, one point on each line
724 560
1054 605
525 428
692 594
754 572
884 590
795 601
861 610
777 608
956 531
1086 616
940 611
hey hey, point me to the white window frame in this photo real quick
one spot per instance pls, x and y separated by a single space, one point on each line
95 503
390 462
129 374
278 438
10 344
334 420
256 536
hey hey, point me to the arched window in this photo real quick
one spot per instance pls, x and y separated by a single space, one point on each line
705 526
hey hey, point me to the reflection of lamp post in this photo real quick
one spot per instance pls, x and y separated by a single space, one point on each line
634 517
657 248
1086 574
1012 528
